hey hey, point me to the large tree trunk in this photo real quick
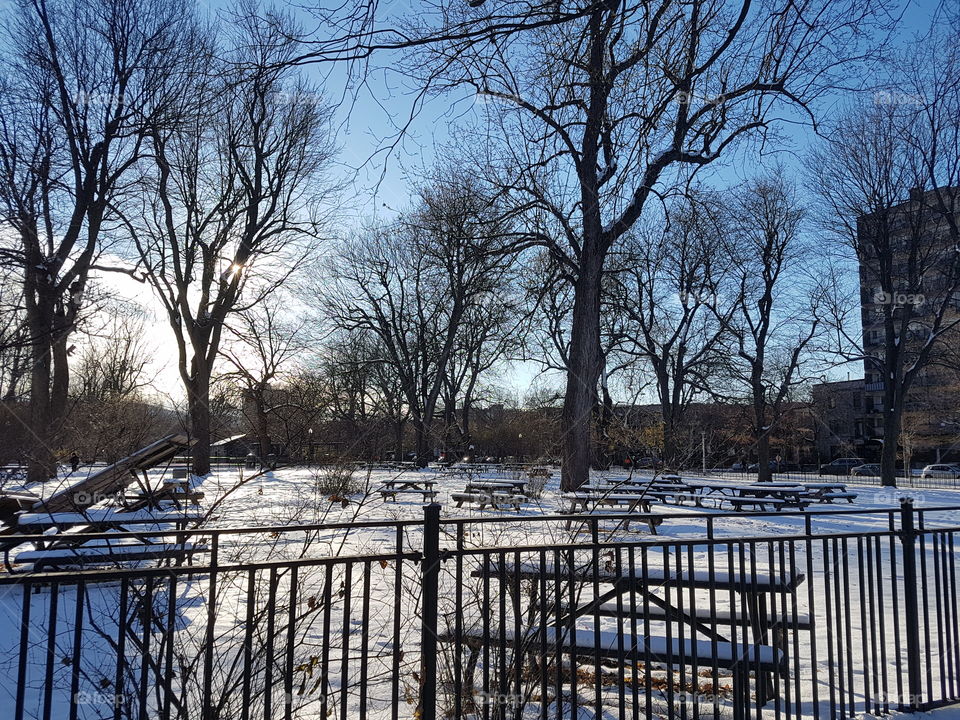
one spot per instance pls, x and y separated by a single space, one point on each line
41 458
41 464
263 427
583 372
198 391
422 428
764 473
761 434
892 420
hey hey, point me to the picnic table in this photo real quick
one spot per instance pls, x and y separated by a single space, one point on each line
823 492
410 485
514 486
589 501
762 495
633 592
498 500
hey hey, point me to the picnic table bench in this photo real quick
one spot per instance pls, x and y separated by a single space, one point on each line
107 518
105 554
539 472
496 500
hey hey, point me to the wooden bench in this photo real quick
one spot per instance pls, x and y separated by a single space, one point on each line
829 497
544 644
670 651
104 519
391 493
738 503
651 521
168 494
107 555
707 615
493 499
678 496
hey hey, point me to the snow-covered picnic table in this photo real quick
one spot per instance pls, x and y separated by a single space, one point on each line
636 591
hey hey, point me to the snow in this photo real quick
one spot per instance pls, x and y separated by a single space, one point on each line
291 496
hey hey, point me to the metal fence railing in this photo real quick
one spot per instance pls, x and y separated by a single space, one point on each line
470 618
913 480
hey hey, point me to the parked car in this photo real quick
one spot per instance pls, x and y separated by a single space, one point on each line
950 472
840 466
866 470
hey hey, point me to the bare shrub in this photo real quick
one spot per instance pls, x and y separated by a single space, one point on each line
338 481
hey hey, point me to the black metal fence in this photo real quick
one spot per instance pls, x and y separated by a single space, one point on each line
500 619
811 474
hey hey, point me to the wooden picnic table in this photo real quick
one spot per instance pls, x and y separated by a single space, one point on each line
765 656
516 485
754 494
409 485
824 492
587 502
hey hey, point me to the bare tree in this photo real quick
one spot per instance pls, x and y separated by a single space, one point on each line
669 288
889 176
412 286
231 199
600 106
775 304
112 410
259 347
83 81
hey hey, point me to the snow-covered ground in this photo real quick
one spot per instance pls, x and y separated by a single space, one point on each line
387 623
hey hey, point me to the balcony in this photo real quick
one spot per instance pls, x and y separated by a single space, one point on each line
873 387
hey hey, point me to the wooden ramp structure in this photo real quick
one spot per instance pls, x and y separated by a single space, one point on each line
114 479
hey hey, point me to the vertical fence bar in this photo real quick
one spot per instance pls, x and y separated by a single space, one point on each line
912 614
428 628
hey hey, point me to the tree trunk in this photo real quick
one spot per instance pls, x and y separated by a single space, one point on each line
263 428
892 417
422 429
41 459
763 457
583 372
41 464
198 390
762 433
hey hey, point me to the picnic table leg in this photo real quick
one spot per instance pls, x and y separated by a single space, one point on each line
741 691
759 621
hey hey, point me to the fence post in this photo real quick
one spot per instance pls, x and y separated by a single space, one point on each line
912 611
430 570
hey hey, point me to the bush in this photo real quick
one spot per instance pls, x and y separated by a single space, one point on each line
337 481
535 486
